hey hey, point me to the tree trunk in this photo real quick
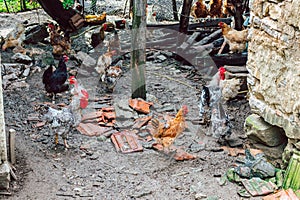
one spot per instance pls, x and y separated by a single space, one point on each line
175 12
238 17
184 18
6 6
138 50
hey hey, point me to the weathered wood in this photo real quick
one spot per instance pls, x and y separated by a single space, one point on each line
12 146
184 18
138 50
215 35
3 147
175 12
236 69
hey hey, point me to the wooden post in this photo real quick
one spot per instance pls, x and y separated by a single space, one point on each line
138 50
175 12
185 15
12 146
3 150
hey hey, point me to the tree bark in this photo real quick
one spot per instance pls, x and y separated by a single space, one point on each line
175 12
138 50
238 17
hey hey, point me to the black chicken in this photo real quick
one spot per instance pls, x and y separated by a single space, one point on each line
54 81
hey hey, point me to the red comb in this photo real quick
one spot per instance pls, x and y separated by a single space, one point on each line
222 71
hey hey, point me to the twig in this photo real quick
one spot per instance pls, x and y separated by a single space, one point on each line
172 79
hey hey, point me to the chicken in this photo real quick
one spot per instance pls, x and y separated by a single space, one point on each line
210 95
61 44
236 40
166 133
211 108
103 62
199 10
62 121
15 37
215 9
98 37
79 91
112 74
54 81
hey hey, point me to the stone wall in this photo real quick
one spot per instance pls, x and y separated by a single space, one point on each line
274 66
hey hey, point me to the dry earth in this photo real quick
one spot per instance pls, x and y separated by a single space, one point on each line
97 171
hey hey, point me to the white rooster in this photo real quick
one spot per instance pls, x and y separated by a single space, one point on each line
61 121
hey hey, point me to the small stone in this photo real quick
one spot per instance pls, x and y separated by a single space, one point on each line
20 58
199 196
162 58
26 72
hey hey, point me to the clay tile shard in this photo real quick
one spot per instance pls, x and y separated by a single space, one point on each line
92 115
140 122
90 129
126 142
182 155
140 105
282 194
39 124
109 115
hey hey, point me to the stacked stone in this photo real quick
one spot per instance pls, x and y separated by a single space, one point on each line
273 65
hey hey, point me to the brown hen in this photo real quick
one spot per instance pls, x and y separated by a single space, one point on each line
166 133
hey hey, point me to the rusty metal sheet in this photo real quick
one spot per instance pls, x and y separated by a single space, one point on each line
126 142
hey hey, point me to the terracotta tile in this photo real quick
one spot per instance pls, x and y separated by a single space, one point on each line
126 142
90 129
282 194
140 105
140 122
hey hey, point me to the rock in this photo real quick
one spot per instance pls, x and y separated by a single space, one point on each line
260 131
199 196
4 175
36 34
18 85
86 60
197 147
162 58
20 58
26 72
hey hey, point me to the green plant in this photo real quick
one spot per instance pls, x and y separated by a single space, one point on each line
68 4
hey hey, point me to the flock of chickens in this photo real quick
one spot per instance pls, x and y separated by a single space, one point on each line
57 80
215 9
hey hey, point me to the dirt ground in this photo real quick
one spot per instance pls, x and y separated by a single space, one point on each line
93 169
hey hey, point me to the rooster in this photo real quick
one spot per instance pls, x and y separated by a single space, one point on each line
235 39
103 62
15 37
199 10
54 81
62 121
215 10
166 133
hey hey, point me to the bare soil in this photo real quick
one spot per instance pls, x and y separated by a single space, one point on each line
92 169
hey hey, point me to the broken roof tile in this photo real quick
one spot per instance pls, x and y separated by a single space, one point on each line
90 129
126 142
140 105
